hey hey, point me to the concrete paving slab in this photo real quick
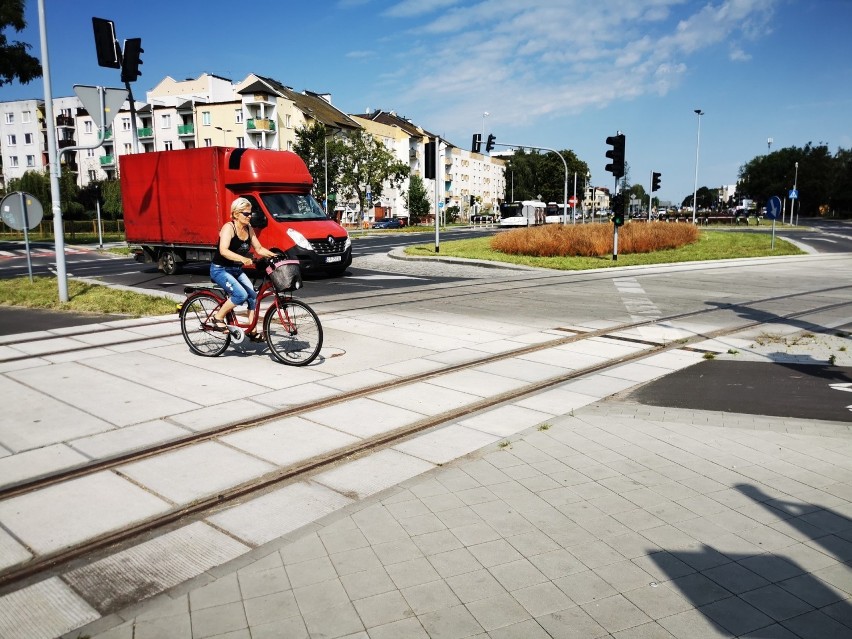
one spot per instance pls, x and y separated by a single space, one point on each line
279 512
294 396
65 514
363 417
479 383
403 337
359 379
153 566
425 398
36 419
118 401
195 471
506 420
44 610
373 473
445 444
220 414
523 369
288 441
557 401
11 552
38 462
122 440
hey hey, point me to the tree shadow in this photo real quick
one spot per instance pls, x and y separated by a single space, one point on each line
770 596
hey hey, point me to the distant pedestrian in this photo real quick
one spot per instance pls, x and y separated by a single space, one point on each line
236 239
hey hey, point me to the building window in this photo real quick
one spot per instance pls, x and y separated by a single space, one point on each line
10 118
13 161
238 116
289 125
289 145
88 127
90 153
127 148
241 143
93 175
12 140
165 121
208 141
28 138
167 145
30 160
125 124
205 118
26 117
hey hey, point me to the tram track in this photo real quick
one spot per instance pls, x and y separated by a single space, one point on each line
199 508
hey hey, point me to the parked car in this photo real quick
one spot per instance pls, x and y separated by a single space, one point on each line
388 223
481 218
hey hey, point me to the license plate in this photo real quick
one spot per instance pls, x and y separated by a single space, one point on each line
334 258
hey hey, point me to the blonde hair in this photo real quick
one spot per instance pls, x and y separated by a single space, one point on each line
238 205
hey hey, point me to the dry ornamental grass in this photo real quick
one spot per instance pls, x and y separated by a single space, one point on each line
593 240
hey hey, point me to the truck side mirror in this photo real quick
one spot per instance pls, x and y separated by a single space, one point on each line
258 219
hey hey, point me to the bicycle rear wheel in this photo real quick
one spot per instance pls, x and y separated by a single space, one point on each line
293 332
195 314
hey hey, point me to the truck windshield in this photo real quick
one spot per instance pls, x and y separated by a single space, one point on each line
292 207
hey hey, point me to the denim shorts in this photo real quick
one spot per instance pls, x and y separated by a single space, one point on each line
235 283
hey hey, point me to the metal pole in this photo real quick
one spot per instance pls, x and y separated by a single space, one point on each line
26 234
58 231
574 206
325 162
699 113
795 188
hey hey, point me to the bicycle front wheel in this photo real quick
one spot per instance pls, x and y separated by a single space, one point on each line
195 314
293 332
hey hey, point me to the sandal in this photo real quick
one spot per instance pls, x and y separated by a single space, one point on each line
255 336
217 325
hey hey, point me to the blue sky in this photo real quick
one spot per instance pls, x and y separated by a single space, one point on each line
551 73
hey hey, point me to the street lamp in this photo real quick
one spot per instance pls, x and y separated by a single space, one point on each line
699 113
769 142
224 131
485 114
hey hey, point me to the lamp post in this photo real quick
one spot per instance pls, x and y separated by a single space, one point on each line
485 114
699 113
224 131
769 142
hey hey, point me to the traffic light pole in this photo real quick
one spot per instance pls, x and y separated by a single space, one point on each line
615 230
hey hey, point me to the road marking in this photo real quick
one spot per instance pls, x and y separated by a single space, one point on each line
847 386
383 277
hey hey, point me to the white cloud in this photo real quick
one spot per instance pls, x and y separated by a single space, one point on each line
558 56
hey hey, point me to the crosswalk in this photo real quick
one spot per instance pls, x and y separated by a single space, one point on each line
38 251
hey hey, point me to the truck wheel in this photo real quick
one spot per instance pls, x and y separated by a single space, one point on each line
169 263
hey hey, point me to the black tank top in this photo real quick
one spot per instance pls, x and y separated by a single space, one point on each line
238 246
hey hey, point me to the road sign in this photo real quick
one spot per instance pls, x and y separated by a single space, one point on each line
21 211
113 99
794 194
440 205
773 208
572 201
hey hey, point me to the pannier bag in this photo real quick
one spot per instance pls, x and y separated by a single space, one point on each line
286 275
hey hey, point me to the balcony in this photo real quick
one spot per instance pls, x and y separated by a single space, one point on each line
106 135
260 125
64 120
186 129
145 132
64 144
258 98
108 160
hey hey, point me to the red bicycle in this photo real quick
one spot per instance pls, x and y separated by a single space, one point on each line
292 328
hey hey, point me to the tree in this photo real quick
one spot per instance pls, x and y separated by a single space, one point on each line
706 198
15 62
416 200
35 183
316 145
543 174
368 162
111 198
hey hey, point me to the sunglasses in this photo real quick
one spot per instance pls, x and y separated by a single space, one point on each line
246 213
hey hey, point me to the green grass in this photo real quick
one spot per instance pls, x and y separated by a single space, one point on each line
43 293
712 245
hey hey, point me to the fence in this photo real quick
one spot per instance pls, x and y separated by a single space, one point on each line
70 229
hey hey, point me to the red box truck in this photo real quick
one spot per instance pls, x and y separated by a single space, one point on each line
175 203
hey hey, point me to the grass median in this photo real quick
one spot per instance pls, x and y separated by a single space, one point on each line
711 245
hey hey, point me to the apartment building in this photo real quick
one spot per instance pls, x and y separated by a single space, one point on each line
210 110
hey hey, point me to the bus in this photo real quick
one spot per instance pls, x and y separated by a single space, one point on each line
526 213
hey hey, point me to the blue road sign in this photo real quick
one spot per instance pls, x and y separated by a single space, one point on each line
794 194
773 208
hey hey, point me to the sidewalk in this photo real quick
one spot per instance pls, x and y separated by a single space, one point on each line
574 512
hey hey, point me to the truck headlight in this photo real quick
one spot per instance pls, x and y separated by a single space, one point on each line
300 240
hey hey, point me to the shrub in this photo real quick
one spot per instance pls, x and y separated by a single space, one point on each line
592 240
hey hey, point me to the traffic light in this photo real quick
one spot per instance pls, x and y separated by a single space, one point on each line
476 144
472 200
131 59
429 161
617 205
105 44
616 154
489 145
655 182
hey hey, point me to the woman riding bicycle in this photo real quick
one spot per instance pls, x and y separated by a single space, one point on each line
236 239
